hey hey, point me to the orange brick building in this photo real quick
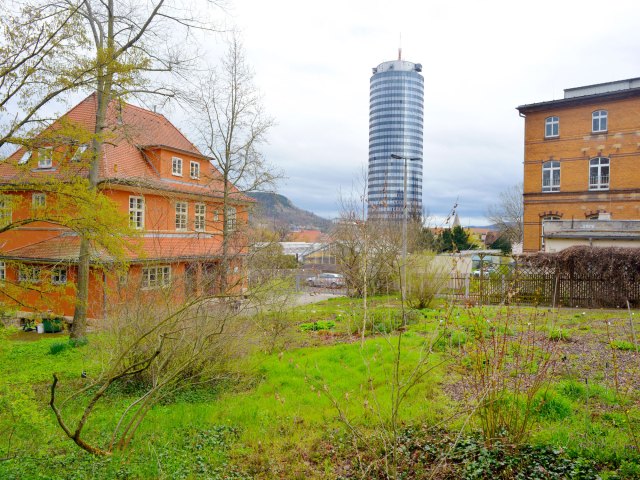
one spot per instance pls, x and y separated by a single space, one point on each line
582 157
170 191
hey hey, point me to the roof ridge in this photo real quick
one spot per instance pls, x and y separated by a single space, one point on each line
163 117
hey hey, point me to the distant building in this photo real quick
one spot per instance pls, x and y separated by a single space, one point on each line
582 160
395 128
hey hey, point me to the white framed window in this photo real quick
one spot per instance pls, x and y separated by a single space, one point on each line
156 277
194 169
181 215
79 153
551 127
599 121
38 200
45 157
59 276
3 271
6 212
200 217
231 217
25 157
599 173
551 176
28 274
136 212
216 215
176 166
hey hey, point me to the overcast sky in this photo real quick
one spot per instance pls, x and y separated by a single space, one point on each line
480 60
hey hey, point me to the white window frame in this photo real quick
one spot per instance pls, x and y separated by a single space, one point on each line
26 156
59 276
598 180
136 212
552 127
176 166
157 276
194 169
27 274
542 220
3 271
231 218
6 212
599 121
550 168
79 152
200 217
45 157
38 200
182 215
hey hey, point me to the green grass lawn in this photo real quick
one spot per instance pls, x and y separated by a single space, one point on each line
281 417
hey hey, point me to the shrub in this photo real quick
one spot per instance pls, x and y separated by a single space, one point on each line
78 342
425 279
623 345
559 335
57 347
319 325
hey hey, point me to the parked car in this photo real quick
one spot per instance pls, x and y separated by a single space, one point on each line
327 280
488 270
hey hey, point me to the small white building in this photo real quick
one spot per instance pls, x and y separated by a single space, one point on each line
603 232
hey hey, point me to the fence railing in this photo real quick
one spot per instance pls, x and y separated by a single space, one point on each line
513 284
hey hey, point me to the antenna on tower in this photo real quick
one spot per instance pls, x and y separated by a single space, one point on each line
400 48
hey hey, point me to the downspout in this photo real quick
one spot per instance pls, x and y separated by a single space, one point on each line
104 295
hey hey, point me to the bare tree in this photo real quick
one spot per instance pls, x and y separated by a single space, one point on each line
231 125
508 213
129 42
164 347
40 45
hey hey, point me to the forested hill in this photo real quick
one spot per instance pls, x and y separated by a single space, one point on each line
276 208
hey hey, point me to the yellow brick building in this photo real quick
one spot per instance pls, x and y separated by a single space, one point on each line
582 157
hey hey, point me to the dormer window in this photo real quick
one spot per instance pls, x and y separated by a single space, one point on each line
551 127
25 157
79 153
45 159
599 121
194 170
176 166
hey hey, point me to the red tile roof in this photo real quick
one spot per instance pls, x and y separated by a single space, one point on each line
167 247
133 129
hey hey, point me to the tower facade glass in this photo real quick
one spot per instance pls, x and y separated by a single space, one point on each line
396 104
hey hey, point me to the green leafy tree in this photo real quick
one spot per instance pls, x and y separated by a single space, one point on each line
502 243
456 239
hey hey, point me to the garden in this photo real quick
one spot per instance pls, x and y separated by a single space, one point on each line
446 392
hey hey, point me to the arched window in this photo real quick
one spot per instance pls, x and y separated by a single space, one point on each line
599 121
551 127
599 173
545 218
551 176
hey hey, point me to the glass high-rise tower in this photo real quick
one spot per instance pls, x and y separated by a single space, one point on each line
396 105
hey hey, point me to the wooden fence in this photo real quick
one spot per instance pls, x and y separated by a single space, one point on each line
514 284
